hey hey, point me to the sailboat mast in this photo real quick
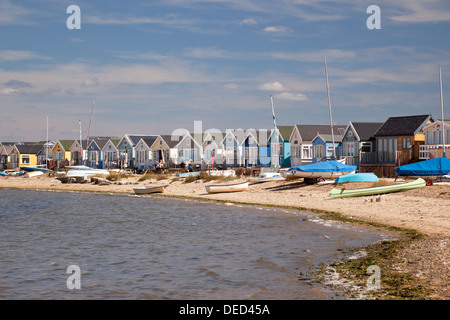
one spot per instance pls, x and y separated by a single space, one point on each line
89 129
46 149
275 128
329 108
442 112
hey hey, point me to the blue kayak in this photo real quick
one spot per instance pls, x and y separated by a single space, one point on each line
357 177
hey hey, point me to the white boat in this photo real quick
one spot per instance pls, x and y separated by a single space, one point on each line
67 168
34 174
217 188
86 172
148 190
266 177
225 173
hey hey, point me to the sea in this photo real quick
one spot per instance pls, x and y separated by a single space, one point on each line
79 246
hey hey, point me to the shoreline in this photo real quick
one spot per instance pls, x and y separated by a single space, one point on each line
419 215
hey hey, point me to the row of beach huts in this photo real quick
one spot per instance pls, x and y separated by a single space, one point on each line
372 146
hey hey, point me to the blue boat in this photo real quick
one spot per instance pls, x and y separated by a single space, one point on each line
433 167
35 169
326 170
188 174
357 177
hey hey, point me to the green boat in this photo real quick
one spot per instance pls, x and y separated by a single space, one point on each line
338 193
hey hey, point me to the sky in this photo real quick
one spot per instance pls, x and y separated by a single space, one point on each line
152 67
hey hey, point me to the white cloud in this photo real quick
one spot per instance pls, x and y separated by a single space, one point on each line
274 86
248 22
15 55
91 82
208 53
277 29
291 96
13 14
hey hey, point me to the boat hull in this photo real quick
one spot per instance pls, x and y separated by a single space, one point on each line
238 187
149 190
85 173
266 179
294 174
338 193
357 177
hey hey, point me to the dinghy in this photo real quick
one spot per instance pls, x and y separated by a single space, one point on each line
266 177
149 190
337 193
357 177
327 170
188 174
217 188
85 172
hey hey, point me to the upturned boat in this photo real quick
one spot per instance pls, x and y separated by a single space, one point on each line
357 177
217 188
341 193
149 190
266 177
327 170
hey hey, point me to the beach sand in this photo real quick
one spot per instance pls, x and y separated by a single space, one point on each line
425 210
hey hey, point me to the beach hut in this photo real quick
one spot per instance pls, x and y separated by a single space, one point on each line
78 152
398 139
189 149
150 152
212 149
127 148
358 142
95 152
61 154
324 148
24 155
5 156
231 149
301 141
432 148
250 147
110 153
281 152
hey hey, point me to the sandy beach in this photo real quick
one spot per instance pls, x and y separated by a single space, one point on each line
425 210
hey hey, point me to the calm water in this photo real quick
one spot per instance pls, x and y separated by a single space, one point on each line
130 247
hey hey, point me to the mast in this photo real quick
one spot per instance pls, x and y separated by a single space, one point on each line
329 108
46 149
276 129
442 112
81 144
89 129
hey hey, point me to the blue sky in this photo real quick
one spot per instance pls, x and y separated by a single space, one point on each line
155 66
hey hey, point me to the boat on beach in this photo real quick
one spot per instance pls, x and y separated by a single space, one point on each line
266 177
218 188
37 168
149 190
357 177
188 174
85 172
342 193
321 170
